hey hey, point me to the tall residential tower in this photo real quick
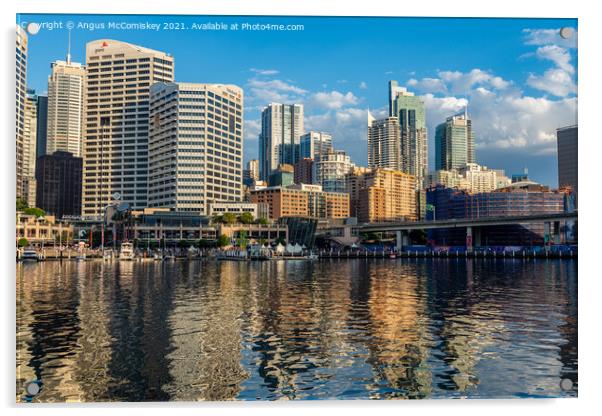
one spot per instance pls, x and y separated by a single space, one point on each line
279 140
454 143
410 112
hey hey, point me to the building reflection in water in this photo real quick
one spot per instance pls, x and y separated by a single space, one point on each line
94 331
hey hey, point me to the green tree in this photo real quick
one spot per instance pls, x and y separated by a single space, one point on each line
38 212
218 219
183 244
229 218
21 204
246 218
223 240
22 242
263 221
243 239
418 237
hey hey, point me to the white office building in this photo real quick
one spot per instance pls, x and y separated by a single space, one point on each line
116 122
313 144
65 107
196 145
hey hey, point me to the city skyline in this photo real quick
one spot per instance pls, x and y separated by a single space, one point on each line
337 102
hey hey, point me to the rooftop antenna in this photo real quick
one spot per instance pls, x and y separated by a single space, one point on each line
69 47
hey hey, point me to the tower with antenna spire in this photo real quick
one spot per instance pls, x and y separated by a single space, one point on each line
65 105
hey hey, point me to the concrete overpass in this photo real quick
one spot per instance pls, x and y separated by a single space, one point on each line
472 225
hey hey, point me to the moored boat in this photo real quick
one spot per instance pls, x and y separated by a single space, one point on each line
126 252
30 254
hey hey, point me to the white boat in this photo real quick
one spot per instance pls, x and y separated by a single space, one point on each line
312 256
234 254
30 254
126 252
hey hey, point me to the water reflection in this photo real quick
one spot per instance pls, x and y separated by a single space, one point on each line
380 328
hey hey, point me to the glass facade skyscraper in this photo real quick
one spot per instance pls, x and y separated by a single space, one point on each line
279 140
454 143
410 112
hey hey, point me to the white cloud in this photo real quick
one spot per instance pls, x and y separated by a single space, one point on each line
549 37
560 56
554 81
456 82
333 99
363 85
265 71
264 91
252 129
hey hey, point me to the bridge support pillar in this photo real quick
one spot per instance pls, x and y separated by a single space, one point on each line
469 239
401 239
476 237
557 232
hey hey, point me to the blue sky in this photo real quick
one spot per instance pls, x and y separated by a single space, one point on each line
518 76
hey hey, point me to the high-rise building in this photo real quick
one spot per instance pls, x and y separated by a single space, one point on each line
195 145
379 195
279 140
313 144
42 127
116 98
330 170
454 142
304 170
59 184
567 158
384 147
65 107
21 87
410 112
30 126
251 173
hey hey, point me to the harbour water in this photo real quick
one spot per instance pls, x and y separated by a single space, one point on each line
328 329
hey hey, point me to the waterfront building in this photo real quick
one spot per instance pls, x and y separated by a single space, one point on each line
30 124
384 143
380 195
151 226
195 145
65 107
304 170
566 138
42 231
308 201
454 142
279 139
238 208
284 175
519 199
330 170
116 126
410 112
59 184
251 173
21 87
314 144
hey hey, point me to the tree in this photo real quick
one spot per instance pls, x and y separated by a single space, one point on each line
246 218
22 242
203 243
418 237
223 240
38 212
21 204
263 221
183 244
217 219
229 218
243 240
